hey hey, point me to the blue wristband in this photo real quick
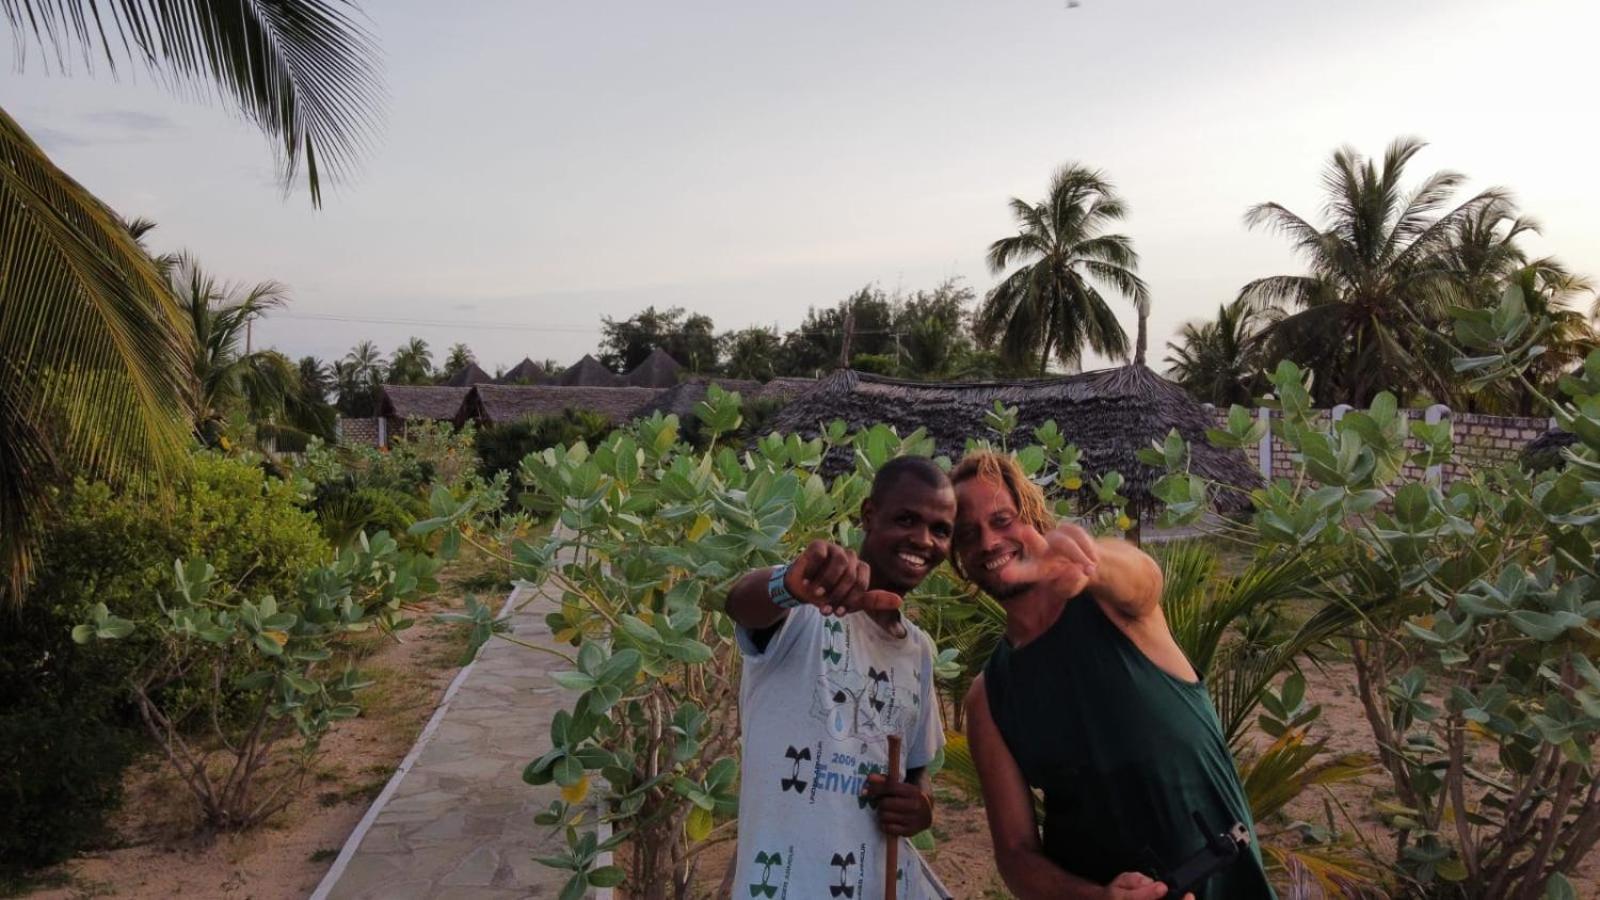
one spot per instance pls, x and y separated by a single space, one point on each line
778 592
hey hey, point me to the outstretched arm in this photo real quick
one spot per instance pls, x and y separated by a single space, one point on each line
825 575
1127 579
1120 575
1009 804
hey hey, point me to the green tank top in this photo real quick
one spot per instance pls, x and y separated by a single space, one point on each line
1124 753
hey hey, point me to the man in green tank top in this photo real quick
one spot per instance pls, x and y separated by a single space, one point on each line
1089 699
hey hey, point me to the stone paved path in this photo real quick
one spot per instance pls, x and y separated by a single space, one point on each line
458 822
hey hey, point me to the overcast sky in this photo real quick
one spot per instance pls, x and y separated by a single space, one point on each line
545 164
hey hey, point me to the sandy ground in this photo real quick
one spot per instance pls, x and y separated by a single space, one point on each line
157 854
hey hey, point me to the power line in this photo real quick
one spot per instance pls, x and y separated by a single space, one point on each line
518 326
435 323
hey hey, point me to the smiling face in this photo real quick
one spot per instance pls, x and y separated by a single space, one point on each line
992 538
908 530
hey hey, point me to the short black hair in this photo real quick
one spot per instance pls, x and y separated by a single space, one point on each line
924 470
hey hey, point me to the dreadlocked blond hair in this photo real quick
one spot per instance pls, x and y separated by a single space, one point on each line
1003 467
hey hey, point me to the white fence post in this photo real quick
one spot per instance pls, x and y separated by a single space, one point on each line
1264 416
383 432
1433 414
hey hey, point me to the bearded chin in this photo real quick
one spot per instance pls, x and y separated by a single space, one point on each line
1004 592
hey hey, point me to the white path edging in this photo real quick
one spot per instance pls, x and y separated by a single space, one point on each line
353 843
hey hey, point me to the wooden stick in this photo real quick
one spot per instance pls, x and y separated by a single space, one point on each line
892 858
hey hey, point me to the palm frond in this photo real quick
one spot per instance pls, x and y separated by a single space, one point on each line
305 72
94 371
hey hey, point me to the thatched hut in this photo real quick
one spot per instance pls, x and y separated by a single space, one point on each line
399 403
681 398
589 372
526 372
659 370
494 404
1109 414
469 376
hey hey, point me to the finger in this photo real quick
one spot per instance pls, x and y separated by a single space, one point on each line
881 601
853 586
1072 544
798 578
1132 880
825 583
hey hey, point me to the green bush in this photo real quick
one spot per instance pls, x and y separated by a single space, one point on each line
67 716
501 448
61 754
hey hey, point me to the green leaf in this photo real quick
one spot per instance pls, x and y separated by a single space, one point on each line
1559 888
267 645
1545 626
698 824
606 876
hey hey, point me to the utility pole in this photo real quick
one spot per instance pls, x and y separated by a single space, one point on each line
249 322
849 332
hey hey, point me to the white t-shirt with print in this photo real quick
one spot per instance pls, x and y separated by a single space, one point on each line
817 707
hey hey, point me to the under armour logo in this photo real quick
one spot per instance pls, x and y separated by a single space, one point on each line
766 861
796 756
829 653
844 888
865 769
879 680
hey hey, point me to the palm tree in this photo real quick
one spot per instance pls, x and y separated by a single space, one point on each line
359 375
1052 305
93 357
1366 315
1550 290
316 379
457 360
752 353
1220 362
224 375
412 363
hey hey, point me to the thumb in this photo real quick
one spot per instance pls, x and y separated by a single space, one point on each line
880 601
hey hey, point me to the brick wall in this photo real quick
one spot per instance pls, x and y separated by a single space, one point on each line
358 431
1480 441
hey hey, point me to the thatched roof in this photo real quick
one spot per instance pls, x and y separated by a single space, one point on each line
526 372
469 376
659 370
437 402
787 387
680 399
491 404
1109 414
589 372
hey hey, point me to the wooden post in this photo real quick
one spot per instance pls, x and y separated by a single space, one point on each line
891 859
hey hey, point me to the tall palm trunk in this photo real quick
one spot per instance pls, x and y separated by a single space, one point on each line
1140 339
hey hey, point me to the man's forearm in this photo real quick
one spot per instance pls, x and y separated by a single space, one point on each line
1126 578
1032 876
750 604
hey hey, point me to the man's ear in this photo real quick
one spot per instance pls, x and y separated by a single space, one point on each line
867 511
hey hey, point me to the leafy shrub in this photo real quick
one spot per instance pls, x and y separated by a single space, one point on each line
61 756
68 728
875 363
1469 610
345 510
501 448
272 685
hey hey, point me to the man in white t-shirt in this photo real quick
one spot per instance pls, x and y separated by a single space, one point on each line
831 670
